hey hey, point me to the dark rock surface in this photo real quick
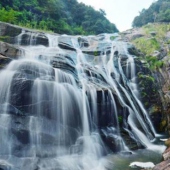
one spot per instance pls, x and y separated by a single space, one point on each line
9 50
4 61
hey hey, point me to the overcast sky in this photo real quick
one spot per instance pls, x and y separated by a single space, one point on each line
120 12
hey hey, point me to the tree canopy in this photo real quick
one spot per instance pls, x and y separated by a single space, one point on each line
159 11
60 16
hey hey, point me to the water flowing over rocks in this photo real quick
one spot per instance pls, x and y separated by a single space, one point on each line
66 101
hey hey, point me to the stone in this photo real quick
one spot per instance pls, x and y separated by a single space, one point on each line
165 165
65 42
7 29
166 154
83 42
153 33
132 50
137 35
66 63
167 143
163 52
4 165
4 61
156 54
10 51
33 38
132 34
168 35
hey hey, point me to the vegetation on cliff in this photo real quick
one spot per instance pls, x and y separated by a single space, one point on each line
154 43
159 11
60 16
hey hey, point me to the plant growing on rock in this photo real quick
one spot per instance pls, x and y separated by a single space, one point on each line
154 63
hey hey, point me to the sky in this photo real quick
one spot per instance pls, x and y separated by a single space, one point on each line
120 12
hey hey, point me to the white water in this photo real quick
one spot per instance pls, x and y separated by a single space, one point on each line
60 122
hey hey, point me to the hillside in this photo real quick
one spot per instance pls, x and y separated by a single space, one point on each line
64 16
159 11
153 44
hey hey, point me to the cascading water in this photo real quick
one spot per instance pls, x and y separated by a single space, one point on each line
65 105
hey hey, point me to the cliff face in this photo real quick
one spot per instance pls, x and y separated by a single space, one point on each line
153 84
152 41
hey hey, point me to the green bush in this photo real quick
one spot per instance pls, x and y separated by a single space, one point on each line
8 15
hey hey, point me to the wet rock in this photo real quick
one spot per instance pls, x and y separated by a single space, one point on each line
9 50
4 61
9 33
10 109
4 165
155 115
66 63
33 38
83 42
33 70
97 48
67 43
112 139
10 30
132 50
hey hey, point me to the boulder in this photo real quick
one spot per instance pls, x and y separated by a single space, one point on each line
166 154
10 30
9 34
132 34
132 50
29 37
153 33
167 143
165 165
10 51
4 61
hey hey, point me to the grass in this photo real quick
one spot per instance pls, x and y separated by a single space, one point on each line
148 44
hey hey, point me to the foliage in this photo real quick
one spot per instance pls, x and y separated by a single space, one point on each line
154 63
120 119
8 15
147 45
61 16
159 11
4 38
148 89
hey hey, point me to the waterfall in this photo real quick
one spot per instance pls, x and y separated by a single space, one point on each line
68 101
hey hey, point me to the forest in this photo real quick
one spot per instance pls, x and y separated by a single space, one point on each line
64 16
159 11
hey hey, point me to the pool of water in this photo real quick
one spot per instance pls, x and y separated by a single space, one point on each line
122 161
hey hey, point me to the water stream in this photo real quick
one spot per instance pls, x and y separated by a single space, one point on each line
68 104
